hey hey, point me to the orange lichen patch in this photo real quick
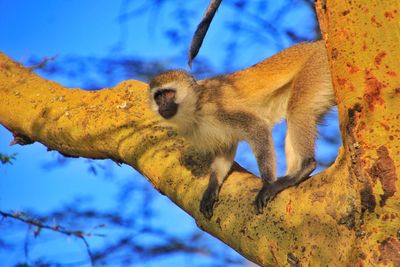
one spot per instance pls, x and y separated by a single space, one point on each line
346 12
344 83
390 14
289 208
373 90
362 126
344 34
389 249
379 57
375 22
352 68
341 81
384 169
5 66
390 217
391 73
385 126
364 46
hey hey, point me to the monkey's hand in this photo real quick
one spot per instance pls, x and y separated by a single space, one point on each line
266 194
210 196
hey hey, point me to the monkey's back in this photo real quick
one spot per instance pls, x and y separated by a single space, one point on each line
265 87
274 72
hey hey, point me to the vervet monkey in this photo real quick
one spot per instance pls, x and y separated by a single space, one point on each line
216 113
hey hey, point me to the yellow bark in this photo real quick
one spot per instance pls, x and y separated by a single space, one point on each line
335 218
118 124
363 40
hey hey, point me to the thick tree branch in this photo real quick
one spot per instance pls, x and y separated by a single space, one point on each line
307 221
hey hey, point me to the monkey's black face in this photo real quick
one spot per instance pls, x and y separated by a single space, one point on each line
165 100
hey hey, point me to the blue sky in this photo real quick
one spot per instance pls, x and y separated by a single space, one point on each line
90 28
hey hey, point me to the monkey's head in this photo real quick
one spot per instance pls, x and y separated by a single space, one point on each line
173 96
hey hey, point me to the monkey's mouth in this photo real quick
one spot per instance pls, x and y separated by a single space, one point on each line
169 110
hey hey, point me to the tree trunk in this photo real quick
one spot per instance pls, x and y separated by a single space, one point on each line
345 215
363 40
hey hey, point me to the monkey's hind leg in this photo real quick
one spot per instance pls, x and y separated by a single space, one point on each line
310 98
299 147
219 171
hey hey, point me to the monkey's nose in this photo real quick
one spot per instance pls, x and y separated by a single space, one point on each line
169 110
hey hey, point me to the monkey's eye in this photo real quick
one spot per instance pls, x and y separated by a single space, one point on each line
157 97
166 95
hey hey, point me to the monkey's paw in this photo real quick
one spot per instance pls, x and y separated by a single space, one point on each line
266 194
207 203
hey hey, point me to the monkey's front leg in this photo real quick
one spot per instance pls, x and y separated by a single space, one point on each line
210 196
219 171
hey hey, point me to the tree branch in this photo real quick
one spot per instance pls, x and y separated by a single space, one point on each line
55 228
117 123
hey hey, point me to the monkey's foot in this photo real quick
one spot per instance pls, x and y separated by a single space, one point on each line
266 194
207 203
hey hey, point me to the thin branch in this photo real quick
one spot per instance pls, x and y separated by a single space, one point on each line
43 63
79 234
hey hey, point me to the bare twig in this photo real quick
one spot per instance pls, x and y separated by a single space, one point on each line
43 63
79 234
202 29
